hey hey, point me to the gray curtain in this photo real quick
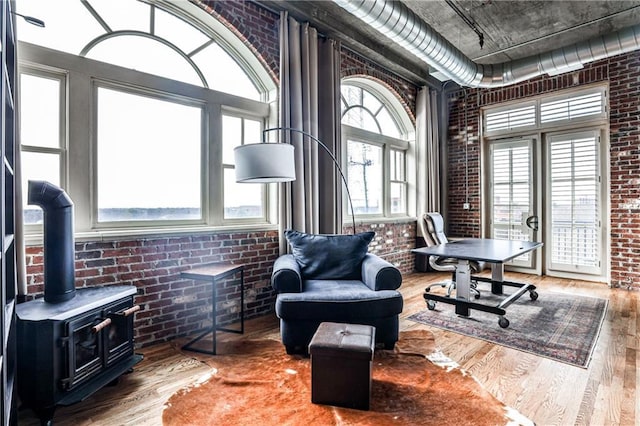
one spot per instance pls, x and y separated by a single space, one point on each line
310 101
428 143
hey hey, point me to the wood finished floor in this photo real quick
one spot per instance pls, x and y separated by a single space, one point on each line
548 392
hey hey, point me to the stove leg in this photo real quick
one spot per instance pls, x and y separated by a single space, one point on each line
45 414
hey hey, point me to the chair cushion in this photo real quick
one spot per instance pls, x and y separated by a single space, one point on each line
336 257
338 301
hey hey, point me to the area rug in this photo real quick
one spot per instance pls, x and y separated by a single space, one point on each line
254 382
562 327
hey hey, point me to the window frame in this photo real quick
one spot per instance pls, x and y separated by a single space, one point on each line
78 179
62 148
406 144
96 84
537 102
387 143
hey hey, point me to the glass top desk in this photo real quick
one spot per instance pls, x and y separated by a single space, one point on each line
492 251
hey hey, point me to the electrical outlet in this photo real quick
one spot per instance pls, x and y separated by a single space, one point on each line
466 206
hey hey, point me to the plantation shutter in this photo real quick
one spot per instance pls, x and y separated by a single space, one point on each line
511 188
512 118
575 202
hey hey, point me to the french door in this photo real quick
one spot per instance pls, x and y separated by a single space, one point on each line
574 199
551 193
512 195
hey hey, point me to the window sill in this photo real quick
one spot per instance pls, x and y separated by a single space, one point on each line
138 233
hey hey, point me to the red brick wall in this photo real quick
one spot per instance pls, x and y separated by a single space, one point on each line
622 72
393 242
354 65
172 306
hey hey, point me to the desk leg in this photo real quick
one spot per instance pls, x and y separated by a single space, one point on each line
242 301
463 287
497 277
212 329
214 314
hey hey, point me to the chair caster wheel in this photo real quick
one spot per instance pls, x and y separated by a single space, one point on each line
503 322
431 305
533 294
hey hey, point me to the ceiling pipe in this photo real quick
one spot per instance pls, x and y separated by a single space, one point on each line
400 24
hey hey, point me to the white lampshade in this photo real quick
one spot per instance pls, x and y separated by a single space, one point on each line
264 163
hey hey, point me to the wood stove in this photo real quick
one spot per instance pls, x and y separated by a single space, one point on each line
71 342
69 350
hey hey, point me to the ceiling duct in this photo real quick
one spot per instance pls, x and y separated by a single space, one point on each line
400 24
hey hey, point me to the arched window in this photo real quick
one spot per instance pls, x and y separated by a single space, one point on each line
133 107
379 152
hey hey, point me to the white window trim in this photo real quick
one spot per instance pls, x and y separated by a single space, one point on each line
386 143
82 72
537 101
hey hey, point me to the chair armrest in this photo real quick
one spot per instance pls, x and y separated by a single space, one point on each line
286 277
378 274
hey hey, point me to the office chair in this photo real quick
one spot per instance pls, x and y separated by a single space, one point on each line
432 226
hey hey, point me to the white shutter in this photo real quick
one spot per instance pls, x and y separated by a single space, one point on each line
575 201
511 118
572 107
511 192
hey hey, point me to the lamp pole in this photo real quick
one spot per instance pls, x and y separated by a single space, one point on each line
326 149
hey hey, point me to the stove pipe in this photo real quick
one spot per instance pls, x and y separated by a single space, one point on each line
59 249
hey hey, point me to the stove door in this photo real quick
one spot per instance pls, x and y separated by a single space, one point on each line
84 349
118 335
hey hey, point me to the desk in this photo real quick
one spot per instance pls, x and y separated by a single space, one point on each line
214 272
495 252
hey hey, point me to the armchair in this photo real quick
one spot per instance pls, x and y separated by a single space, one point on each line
432 226
332 278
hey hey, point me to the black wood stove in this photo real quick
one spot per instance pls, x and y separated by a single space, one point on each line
71 342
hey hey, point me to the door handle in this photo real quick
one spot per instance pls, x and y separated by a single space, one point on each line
532 222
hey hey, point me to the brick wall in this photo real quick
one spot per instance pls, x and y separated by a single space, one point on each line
172 306
393 242
622 72
354 65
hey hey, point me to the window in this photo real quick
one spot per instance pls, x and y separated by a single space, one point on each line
149 156
240 200
582 105
511 118
377 149
573 107
41 131
135 131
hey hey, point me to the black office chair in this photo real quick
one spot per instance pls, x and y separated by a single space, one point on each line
432 226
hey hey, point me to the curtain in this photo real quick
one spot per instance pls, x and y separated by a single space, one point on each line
309 101
428 142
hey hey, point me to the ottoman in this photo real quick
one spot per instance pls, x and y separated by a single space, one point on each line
341 359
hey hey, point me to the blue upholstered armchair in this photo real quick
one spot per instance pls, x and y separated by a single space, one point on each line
334 278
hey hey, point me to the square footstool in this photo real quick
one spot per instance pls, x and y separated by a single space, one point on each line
341 359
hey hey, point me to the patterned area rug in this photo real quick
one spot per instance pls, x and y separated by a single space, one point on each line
562 327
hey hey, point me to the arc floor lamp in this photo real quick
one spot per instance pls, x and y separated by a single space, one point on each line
269 162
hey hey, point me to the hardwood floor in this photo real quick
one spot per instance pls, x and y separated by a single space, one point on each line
548 392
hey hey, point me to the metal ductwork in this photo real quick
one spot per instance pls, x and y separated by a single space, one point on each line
400 24
59 249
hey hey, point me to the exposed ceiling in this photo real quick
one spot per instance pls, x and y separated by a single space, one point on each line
512 29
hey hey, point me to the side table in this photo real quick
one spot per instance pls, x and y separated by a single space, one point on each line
214 272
